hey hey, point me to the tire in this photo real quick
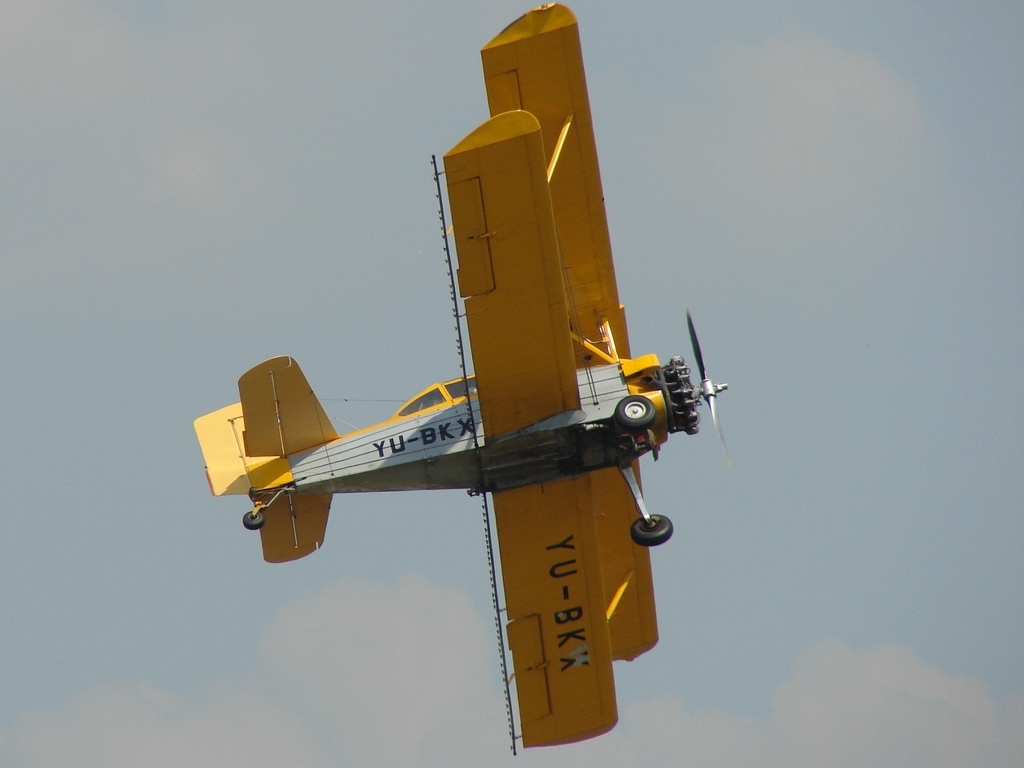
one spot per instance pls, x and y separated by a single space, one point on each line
635 413
658 531
253 520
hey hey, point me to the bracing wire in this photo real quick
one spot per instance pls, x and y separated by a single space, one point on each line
497 622
476 447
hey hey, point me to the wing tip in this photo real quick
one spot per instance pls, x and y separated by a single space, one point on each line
544 18
570 738
507 125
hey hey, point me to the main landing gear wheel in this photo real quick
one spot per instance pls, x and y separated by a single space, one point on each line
253 520
650 534
635 413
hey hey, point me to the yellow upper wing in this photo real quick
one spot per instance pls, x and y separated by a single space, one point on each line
510 274
554 595
536 64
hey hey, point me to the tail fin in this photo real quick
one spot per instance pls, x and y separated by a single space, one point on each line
282 415
246 444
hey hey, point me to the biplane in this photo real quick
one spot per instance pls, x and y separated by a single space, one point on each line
552 421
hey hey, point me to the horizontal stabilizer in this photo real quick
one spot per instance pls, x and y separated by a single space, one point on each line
282 415
295 526
228 469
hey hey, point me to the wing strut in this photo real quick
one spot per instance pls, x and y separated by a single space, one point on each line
558 147
489 541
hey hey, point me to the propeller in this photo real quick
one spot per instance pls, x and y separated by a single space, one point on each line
708 389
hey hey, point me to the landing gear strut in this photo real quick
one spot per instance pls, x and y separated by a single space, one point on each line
647 530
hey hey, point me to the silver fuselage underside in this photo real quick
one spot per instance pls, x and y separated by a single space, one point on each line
437 450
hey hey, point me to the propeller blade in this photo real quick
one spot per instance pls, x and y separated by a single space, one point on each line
708 389
718 426
696 347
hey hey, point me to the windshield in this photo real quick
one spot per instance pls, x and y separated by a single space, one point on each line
421 403
457 389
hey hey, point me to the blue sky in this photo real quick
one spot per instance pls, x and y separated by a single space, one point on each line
835 191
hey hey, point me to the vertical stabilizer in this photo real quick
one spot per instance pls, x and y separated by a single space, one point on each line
282 415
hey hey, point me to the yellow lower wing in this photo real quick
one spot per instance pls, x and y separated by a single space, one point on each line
555 598
625 567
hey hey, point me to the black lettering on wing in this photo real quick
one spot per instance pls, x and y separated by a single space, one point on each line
569 614
572 634
563 544
561 570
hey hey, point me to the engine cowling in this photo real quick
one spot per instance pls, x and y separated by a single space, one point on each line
681 396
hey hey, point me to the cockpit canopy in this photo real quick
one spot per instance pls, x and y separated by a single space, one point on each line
457 389
447 393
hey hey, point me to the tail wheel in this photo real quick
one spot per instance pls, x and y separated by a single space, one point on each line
253 520
651 533
635 413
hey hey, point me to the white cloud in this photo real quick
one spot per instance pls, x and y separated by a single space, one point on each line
366 674
65 54
135 725
864 708
812 132
378 666
847 707
117 138
792 163
148 157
